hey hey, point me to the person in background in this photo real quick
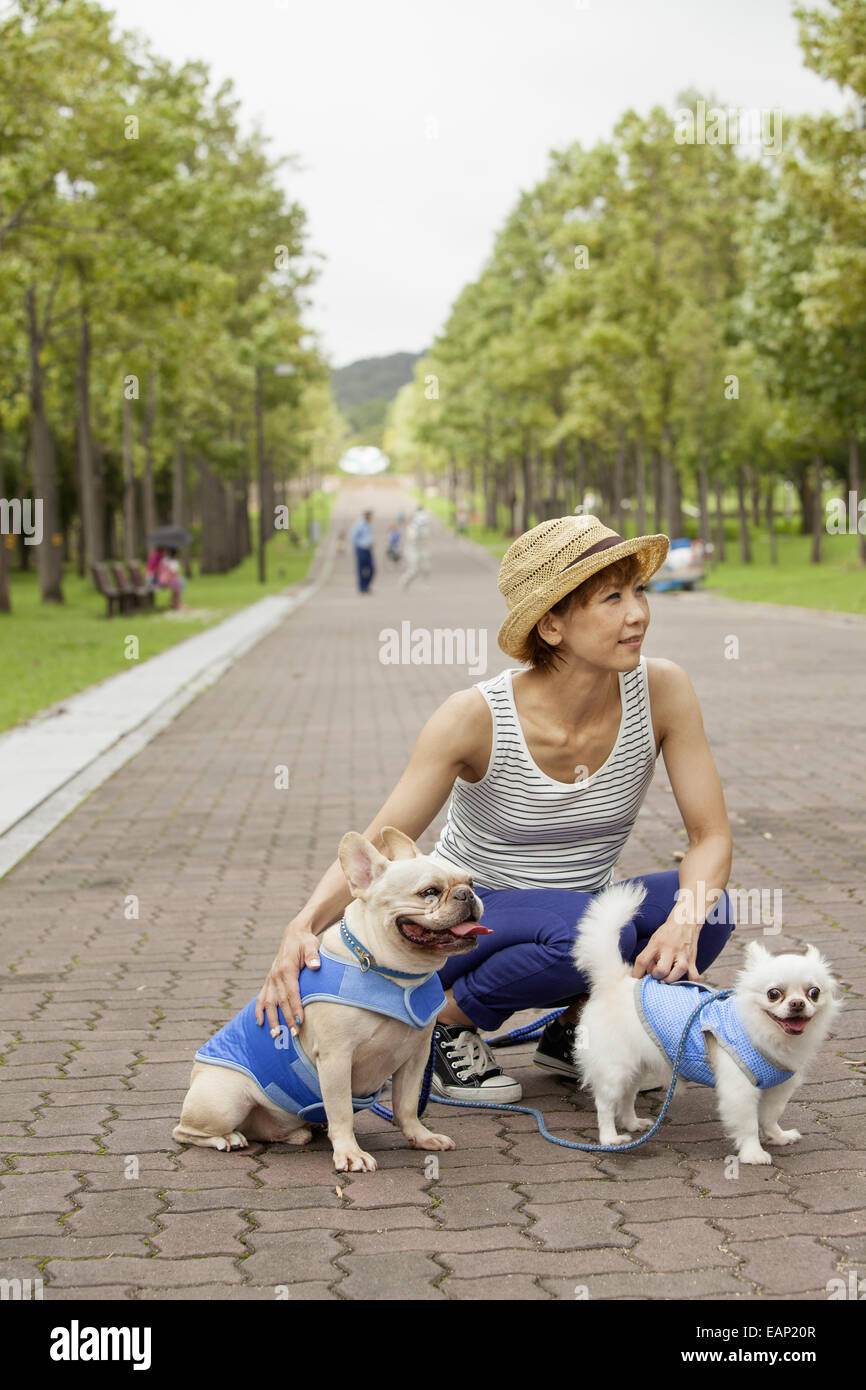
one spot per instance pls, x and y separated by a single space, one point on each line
168 576
361 536
394 537
417 546
154 560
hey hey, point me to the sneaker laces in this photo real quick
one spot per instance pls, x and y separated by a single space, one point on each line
472 1056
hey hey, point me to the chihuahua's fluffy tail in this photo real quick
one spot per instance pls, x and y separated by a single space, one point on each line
596 948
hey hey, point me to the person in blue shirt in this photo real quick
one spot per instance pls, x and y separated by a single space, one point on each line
361 536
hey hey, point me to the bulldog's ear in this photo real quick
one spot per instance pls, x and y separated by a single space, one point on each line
397 845
361 862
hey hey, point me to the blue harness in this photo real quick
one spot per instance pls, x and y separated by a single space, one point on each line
664 1010
281 1067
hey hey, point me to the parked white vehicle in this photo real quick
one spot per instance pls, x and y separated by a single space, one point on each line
683 568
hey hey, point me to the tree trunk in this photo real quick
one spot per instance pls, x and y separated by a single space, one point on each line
619 480
745 540
817 511
90 503
854 485
488 484
49 557
755 483
771 520
147 493
216 522
452 487
671 493
230 512
657 491
720 521
677 500
210 538
512 498
128 484
244 515
560 478
526 478
179 510
640 486
703 497
602 473
5 598
807 504
579 475
111 546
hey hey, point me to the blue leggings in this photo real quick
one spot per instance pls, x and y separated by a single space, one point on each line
526 963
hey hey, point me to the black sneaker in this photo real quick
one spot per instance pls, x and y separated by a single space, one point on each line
555 1051
464 1068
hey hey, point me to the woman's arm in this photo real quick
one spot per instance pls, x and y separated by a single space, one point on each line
454 742
705 868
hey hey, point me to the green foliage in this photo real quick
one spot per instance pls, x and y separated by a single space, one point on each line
132 201
684 312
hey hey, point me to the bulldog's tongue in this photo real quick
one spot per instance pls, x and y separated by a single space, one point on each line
470 929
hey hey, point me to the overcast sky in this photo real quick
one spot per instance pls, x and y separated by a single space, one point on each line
417 124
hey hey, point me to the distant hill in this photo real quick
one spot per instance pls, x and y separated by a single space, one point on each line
372 379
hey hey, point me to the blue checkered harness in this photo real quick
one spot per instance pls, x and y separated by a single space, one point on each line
663 1009
281 1067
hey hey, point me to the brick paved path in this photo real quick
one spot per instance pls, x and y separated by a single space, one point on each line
101 1011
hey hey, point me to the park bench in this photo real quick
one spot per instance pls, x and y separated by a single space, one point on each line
133 585
125 590
107 586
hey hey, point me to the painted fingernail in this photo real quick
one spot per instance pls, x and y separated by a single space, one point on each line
294 1032
297 1020
275 1032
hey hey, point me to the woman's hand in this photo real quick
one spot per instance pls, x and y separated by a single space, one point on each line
299 947
670 953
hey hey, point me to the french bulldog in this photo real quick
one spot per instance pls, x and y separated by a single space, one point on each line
409 913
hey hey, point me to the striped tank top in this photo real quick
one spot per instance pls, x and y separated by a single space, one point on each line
519 828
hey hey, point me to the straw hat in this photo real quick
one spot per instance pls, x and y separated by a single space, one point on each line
546 563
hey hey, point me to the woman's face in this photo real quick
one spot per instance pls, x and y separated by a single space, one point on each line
608 632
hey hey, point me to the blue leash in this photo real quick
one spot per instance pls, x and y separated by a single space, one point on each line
531 1030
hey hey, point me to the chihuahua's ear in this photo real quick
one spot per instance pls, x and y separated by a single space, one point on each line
397 845
361 862
821 963
756 953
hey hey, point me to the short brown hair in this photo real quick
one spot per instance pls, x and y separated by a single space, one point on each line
540 654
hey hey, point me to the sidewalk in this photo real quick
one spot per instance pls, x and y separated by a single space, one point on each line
54 760
102 1009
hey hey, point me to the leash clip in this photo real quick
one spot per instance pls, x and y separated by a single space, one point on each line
364 961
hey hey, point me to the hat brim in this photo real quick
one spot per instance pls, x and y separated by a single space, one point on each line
651 550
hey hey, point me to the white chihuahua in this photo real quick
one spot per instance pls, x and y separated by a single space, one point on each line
753 1046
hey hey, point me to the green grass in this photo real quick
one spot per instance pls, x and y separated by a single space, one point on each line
837 584
50 651
493 540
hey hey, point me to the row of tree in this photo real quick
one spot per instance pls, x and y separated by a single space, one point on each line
668 314
151 265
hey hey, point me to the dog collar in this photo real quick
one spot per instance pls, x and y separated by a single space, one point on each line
365 959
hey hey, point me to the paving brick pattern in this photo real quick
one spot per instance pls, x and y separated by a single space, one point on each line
154 911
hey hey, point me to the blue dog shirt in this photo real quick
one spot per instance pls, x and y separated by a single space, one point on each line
663 1011
280 1065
